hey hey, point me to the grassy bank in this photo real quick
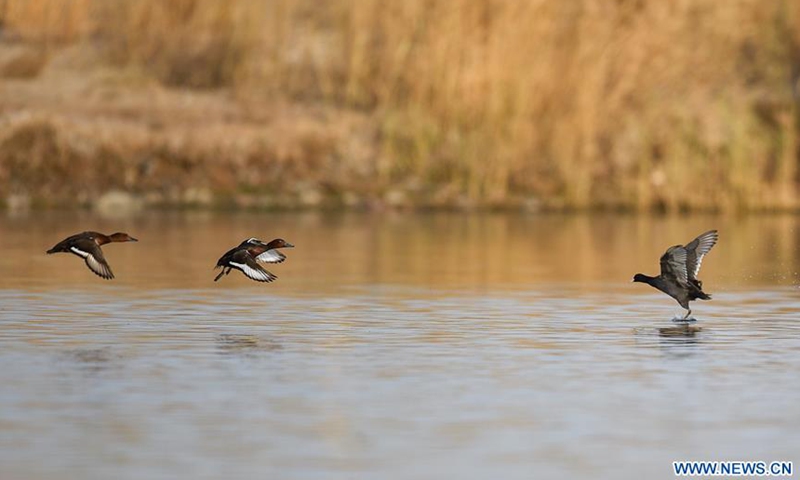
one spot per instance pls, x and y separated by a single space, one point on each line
584 104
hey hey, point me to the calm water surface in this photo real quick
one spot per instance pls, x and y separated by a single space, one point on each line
395 346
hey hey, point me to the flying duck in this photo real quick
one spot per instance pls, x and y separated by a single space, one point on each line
679 268
248 254
87 246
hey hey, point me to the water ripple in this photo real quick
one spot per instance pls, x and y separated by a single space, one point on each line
332 386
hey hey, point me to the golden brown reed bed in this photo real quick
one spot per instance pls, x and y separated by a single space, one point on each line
673 105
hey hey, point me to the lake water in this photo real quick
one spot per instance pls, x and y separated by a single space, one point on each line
395 346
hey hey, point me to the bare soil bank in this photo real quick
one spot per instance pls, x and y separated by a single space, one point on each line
671 106
68 139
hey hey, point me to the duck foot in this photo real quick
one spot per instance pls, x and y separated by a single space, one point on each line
684 320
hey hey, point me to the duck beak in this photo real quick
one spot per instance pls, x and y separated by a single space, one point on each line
131 239
288 245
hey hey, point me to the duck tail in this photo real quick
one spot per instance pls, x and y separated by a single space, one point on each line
696 290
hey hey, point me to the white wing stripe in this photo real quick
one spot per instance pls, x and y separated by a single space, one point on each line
271 256
250 271
77 251
697 268
705 245
98 267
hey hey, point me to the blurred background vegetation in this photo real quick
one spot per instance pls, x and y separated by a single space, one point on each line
539 104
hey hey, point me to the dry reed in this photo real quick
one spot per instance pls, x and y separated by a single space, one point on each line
674 105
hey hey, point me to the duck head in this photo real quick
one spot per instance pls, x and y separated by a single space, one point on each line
121 237
279 243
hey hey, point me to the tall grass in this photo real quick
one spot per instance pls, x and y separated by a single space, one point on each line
681 104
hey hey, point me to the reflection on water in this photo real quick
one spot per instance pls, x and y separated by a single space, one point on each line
243 344
416 346
428 250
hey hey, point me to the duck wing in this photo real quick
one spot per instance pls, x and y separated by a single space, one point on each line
64 245
673 264
93 256
271 256
226 256
98 264
242 260
697 249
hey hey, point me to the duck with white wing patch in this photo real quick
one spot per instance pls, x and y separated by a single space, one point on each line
87 246
248 256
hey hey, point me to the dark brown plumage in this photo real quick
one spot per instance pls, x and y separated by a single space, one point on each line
679 268
87 246
246 257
